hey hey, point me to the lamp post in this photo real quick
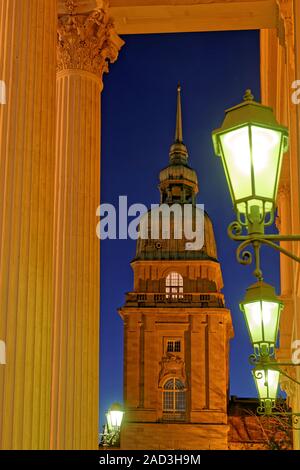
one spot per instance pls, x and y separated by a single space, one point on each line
251 145
111 434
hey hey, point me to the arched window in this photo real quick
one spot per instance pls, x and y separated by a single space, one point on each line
174 397
174 286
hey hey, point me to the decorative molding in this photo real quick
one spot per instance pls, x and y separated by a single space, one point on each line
87 42
284 190
81 6
172 365
71 6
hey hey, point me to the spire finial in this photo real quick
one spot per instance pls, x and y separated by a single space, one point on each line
178 132
178 151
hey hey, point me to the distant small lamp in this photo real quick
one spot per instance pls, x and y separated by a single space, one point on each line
266 381
262 308
110 437
251 144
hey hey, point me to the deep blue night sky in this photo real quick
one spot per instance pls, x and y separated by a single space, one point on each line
139 102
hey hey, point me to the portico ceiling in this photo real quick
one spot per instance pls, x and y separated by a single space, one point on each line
167 16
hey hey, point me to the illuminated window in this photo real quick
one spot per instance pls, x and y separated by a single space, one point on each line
174 286
173 346
174 396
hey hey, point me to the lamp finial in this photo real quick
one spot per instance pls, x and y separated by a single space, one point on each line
248 95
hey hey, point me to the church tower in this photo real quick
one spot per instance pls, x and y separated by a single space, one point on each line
176 331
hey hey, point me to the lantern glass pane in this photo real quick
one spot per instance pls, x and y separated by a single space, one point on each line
262 320
267 383
116 418
270 312
108 419
266 156
236 153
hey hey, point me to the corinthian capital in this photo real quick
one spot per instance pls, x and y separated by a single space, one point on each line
284 190
86 41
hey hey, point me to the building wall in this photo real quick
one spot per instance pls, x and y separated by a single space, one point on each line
202 365
174 436
204 330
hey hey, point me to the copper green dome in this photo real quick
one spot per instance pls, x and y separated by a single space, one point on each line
170 248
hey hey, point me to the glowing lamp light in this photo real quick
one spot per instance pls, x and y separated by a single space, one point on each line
262 308
114 417
266 381
251 144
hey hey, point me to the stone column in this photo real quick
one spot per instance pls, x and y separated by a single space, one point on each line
296 398
27 127
86 42
289 34
284 225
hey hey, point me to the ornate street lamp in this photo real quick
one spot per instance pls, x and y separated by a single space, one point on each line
266 381
251 144
262 308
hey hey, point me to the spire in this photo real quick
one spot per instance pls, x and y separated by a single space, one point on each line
178 151
178 132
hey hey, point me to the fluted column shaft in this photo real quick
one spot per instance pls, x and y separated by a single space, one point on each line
85 43
27 127
76 333
296 398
